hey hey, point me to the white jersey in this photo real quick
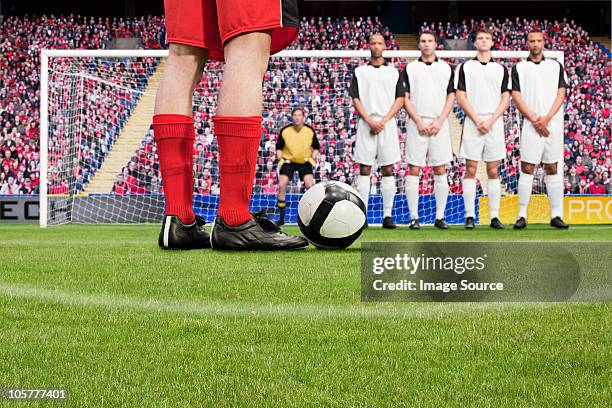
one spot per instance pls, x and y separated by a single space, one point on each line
484 84
428 83
376 87
538 83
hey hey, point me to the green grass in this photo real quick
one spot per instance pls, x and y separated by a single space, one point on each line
102 311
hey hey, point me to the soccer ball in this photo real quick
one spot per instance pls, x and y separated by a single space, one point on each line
331 214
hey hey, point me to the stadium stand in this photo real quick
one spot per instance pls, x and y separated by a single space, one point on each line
287 84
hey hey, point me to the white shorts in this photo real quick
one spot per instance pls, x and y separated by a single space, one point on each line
478 147
436 148
536 149
382 149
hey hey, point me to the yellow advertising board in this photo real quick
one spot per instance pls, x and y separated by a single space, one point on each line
576 209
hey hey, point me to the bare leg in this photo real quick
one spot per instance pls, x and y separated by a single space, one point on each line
246 58
181 75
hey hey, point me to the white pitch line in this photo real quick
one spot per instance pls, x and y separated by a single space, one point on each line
318 311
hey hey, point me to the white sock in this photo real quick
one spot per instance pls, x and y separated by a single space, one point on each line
494 197
387 187
469 195
412 194
525 186
554 189
441 194
363 187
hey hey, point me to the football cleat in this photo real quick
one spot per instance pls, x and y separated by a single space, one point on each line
521 223
441 224
414 224
496 224
469 223
257 233
388 223
557 222
176 235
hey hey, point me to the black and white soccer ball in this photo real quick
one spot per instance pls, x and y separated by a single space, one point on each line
331 215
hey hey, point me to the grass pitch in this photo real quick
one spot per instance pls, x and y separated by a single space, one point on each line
101 311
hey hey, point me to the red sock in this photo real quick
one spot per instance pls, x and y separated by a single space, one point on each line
238 138
174 135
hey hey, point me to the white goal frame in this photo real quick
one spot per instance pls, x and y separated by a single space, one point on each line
47 54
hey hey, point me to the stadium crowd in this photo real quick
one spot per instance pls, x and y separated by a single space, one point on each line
88 114
588 102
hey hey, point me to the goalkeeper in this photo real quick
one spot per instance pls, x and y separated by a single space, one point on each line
297 148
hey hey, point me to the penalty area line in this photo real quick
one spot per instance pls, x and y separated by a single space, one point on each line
229 309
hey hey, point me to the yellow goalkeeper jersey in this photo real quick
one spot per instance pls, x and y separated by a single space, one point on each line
296 144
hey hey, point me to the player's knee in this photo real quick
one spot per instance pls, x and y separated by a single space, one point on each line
550 169
365 170
250 50
386 171
188 52
527 168
439 170
414 171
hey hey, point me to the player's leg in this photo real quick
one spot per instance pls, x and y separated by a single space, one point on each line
553 153
238 131
364 153
308 181
525 187
388 190
416 154
174 135
363 182
554 189
388 153
495 150
469 192
440 153
441 195
411 187
283 180
494 193
531 152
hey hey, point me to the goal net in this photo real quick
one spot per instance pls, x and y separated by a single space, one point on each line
99 160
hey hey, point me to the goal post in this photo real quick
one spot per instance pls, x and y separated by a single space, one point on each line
78 84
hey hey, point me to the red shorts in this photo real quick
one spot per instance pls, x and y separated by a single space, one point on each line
210 24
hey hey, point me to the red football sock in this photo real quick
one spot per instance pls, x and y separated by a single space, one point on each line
238 138
174 135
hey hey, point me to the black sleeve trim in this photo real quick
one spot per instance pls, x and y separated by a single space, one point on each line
451 82
280 142
504 85
400 90
405 80
562 82
461 84
354 88
516 84
315 141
